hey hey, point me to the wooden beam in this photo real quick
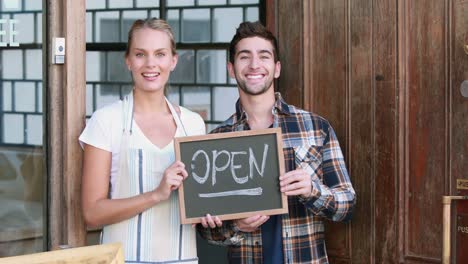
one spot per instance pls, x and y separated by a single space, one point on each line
65 102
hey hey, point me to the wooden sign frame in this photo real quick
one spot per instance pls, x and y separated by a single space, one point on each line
105 253
203 139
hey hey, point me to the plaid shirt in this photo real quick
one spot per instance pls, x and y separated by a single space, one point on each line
310 143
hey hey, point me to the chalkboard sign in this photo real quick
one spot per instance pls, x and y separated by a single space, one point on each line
231 175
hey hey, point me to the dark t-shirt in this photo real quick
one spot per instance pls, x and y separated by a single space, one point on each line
272 240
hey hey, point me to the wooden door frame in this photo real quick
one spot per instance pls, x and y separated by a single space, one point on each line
64 100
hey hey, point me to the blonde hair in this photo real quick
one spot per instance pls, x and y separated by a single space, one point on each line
152 23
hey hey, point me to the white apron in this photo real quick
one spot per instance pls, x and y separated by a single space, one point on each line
155 235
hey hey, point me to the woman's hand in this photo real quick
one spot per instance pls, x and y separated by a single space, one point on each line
172 179
211 221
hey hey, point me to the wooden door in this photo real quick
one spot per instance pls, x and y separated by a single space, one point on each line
388 76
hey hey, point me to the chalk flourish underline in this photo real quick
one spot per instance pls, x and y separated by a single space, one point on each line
250 192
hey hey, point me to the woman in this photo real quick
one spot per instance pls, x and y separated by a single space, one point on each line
129 144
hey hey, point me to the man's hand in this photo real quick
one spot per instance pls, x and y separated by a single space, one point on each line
251 224
296 182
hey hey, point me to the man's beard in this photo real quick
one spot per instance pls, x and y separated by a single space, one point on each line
243 86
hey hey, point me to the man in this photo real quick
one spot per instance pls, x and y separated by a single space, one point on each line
316 180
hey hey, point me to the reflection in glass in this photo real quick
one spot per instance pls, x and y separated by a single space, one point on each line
185 70
198 100
34 123
107 27
106 94
13 127
120 3
224 102
25 97
34 64
236 2
117 70
12 64
196 25
180 3
147 3
6 96
25 28
89 27
93 65
173 20
252 14
211 2
225 21
95 4
21 132
211 66
128 18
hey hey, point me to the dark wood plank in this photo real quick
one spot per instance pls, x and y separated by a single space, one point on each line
385 151
426 131
458 124
328 95
361 104
290 35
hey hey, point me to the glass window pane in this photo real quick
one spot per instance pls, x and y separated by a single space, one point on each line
107 27
39 97
147 3
173 20
225 22
211 2
89 27
34 64
198 100
128 18
252 14
12 64
118 71
120 3
237 2
95 4
173 94
224 101
106 94
89 100
13 129
39 28
12 5
185 70
33 5
93 69
21 131
25 97
196 25
34 131
154 13
24 27
210 127
180 3
7 93
211 66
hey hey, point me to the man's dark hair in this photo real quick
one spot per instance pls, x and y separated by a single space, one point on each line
249 30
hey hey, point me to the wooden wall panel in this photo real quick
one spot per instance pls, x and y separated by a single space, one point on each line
291 81
459 69
65 100
426 128
329 90
360 144
385 137
387 75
